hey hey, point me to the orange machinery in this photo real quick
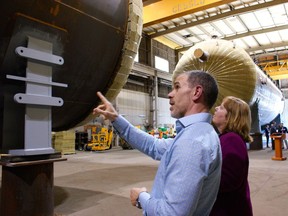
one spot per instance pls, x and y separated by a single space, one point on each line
100 138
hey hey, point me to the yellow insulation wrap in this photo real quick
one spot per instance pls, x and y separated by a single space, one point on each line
236 75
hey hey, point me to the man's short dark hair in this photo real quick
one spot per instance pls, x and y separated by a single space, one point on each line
209 84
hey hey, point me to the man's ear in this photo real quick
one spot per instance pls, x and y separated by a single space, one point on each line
198 91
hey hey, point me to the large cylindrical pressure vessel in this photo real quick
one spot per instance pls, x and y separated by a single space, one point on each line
97 39
236 74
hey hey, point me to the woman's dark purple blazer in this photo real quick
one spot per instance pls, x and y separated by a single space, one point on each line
233 198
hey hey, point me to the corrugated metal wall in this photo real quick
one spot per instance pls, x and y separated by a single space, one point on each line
135 107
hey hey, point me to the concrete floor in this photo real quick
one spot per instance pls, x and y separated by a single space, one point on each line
98 183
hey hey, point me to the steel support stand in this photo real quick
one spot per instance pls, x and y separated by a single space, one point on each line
27 174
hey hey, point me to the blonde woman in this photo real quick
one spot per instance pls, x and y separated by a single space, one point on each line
233 121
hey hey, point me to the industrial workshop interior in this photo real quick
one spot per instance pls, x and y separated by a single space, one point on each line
59 159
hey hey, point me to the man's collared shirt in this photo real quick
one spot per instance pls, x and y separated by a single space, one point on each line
188 175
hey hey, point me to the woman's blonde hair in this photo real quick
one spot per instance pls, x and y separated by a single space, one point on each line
238 117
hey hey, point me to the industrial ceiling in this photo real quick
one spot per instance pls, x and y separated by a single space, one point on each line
259 26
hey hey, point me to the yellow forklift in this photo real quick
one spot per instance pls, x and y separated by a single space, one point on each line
101 139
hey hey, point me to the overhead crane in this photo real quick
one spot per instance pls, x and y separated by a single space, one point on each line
162 10
277 70
169 9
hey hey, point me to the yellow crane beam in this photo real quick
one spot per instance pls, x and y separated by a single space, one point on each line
278 75
162 10
276 69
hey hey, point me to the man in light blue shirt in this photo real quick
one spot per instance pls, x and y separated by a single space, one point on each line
188 176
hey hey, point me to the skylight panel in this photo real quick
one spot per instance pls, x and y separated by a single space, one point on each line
250 41
237 25
262 39
223 27
194 40
264 18
250 21
279 15
197 32
284 34
207 26
274 37
240 43
184 32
